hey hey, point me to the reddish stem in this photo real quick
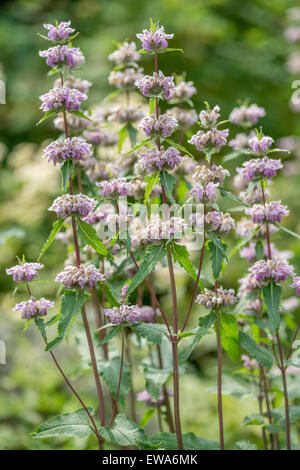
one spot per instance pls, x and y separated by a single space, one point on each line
114 413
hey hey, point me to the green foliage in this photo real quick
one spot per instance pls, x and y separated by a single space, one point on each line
110 371
124 432
155 378
217 257
56 227
153 332
229 335
75 424
181 255
90 236
151 181
154 254
168 441
261 354
245 445
66 171
168 181
272 293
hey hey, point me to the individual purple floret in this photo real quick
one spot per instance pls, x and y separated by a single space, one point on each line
33 308
116 187
154 159
59 98
296 284
123 314
207 193
271 270
213 139
155 86
24 271
163 126
247 115
63 55
149 401
75 148
60 32
68 204
259 168
81 276
154 40
271 212
260 145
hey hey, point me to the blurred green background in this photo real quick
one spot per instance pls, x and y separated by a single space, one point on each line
233 50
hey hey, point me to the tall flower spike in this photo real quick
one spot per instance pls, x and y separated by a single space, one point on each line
62 98
81 276
24 271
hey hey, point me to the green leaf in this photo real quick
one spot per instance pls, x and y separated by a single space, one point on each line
271 294
245 445
254 419
80 115
153 332
218 243
168 441
56 227
198 333
244 241
132 132
41 326
46 116
261 354
290 232
207 321
137 147
110 371
181 255
170 49
90 236
232 196
179 147
112 332
71 304
152 103
149 413
124 432
155 378
229 335
123 134
168 182
154 254
111 95
76 424
66 171
151 181
217 257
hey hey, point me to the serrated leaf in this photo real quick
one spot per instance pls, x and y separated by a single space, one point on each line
254 419
56 227
151 181
110 371
232 196
181 255
76 424
154 254
111 334
245 445
229 335
261 354
66 171
124 432
91 238
217 257
71 304
46 116
271 294
218 243
179 147
168 441
153 332
168 182
155 378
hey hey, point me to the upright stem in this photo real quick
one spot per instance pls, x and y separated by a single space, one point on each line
260 407
283 367
219 381
120 378
131 393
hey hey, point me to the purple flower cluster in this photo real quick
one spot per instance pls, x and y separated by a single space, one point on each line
182 92
209 117
61 32
75 148
185 117
259 168
296 284
163 126
68 204
157 85
74 82
146 314
115 187
206 174
63 55
102 137
213 139
154 40
33 308
59 98
271 212
125 79
159 230
219 221
219 298
207 193
123 314
260 145
271 270
125 54
24 271
81 276
247 115
153 159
